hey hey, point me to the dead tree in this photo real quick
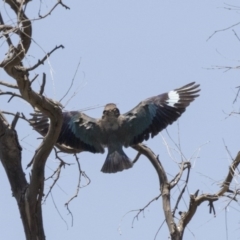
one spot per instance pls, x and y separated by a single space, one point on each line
29 194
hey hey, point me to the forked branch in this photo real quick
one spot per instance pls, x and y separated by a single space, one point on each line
177 230
164 188
31 194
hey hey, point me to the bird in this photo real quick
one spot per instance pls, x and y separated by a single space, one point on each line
115 130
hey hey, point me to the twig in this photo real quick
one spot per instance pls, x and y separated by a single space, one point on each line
228 179
231 7
136 158
176 179
71 81
60 159
14 121
8 85
57 172
43 84
221 30
142 209
138 210
77 190
9 41
32 160
6 28
235 100
177 146
58 211
183 190
226 147
232 198
34 78
211 208
236 35
51 10
226 224
159 229
13 114
13 94
43 59
60 2
195 200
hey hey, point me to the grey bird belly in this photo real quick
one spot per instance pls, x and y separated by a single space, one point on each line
112 132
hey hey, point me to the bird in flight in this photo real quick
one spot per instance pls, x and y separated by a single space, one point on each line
114 130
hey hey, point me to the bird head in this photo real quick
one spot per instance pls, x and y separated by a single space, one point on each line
111 110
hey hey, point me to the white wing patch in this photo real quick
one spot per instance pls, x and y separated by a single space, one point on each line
173 98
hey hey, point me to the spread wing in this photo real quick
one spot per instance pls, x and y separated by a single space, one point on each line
79 131
154 114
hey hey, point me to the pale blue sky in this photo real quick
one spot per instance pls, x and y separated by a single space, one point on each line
129 51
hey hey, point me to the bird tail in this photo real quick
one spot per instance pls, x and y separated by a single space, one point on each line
116 161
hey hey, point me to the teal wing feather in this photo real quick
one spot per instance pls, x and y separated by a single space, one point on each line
79 131
154 114
84 130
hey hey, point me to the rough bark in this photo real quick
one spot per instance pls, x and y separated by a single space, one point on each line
28 195
164 189
176 230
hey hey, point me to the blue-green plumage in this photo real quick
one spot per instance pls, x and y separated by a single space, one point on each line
113 130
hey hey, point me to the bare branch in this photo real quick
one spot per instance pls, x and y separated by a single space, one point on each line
13 94
35 77
78 187
183 189
4 27
229 178
59 158
175 180
236 35
57 172
226 68
196 201
59 211
164 187
193 205
155 237
136 158
16 54
8 85
14 121
71 82
139 211
235 99
224 29
43 59
11 161
51 10
43 84
142 209
66 7
231 7
211 208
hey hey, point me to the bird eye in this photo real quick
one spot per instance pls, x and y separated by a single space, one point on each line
104 112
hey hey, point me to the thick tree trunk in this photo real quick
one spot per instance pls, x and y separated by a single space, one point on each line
28 195
10 156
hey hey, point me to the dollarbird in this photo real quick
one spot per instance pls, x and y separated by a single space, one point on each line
115 130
